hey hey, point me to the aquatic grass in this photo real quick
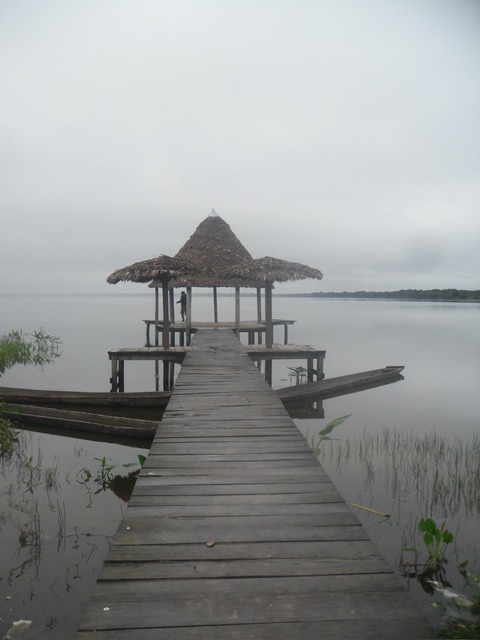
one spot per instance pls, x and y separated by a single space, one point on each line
434 484
51 478
442 476
8 434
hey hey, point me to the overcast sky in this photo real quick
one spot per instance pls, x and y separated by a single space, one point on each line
343 134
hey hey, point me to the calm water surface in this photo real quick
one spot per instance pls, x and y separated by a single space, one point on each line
373 460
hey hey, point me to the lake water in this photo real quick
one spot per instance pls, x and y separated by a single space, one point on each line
408 450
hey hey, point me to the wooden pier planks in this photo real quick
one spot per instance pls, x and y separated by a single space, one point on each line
234 531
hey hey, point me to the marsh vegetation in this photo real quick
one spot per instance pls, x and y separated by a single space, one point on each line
418 495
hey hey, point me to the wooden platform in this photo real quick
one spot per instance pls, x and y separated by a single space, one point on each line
234 531
245 326
176 354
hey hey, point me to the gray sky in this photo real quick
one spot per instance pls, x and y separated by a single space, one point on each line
344 134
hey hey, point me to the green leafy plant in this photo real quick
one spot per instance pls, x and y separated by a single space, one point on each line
432 572
436 539
324 434
107 476
17 347
37 348
297 374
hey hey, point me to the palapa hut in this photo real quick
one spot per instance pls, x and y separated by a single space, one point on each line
214 257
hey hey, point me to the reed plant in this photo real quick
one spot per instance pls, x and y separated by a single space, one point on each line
442 476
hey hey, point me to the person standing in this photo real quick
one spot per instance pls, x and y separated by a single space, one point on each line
183 305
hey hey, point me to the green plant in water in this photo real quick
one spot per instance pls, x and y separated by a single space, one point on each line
436 539
299 374
8 434
326 431
37 348
17 347
105 477
105 472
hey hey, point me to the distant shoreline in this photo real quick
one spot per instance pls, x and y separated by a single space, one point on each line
425 295
415 295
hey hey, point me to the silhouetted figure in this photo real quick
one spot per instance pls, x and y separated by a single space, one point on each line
183 305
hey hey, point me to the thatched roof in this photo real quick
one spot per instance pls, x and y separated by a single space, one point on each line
270 269
213 249
213 257
159 268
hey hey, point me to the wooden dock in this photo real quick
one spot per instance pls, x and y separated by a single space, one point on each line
176 355
235 532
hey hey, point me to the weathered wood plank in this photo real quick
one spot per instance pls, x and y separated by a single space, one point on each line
150 510
246 602
236 488
235 529
241 568
161 477
185 498
260 444
366 628
305 550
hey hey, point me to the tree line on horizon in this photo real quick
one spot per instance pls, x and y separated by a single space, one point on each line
450 295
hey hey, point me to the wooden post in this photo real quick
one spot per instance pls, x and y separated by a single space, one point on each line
268 315
268 371
259 305
114 378
237 311
215 305
310 370
171 296
188 323
166 322
171 299
259 313
121 376
320 374
156 318
147 333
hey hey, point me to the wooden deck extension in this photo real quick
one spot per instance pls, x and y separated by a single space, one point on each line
235 532
245 326
176 354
